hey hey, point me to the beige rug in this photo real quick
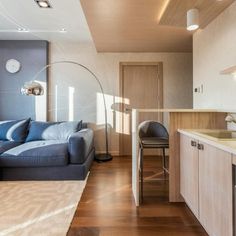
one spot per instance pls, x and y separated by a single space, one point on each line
38 208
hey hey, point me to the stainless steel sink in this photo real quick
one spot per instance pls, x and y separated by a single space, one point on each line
220 134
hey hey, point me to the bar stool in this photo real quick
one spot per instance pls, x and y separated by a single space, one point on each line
152 134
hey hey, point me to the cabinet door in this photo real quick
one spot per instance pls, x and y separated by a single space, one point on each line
189 172
215 191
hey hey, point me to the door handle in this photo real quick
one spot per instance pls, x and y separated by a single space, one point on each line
200 146
128 109
193 143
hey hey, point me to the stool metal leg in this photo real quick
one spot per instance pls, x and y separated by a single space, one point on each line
164 166
164 161
141 172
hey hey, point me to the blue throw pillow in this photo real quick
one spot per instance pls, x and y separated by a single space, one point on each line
14 130
52 130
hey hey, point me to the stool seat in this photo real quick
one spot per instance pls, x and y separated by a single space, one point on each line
154 142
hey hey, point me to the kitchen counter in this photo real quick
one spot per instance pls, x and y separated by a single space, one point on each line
207 177
225 145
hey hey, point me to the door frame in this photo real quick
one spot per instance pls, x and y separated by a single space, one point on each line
121 89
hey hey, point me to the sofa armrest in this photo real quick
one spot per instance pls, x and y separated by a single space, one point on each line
80 145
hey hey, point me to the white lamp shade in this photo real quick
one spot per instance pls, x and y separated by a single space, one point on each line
192 19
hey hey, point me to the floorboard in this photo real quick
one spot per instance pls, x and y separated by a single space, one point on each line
107 206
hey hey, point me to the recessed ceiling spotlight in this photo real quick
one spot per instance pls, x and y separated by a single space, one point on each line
63 30
192 19
43 3
23 30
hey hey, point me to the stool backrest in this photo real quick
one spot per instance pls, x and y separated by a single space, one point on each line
152 129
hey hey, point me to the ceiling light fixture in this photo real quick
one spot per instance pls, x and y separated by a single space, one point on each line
63 30
43 3
22 30
192 19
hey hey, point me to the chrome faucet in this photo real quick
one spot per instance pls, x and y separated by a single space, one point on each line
230 118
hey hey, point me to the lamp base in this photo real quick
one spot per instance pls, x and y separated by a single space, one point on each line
103 157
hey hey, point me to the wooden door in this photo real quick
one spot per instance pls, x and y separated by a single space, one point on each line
215 191
189 172
141 88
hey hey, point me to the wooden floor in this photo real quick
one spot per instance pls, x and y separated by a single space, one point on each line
107 207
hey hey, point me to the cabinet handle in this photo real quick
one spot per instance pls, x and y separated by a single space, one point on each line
193 143
200 146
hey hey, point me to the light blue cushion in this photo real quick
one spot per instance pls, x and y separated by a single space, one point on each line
52 130
14 130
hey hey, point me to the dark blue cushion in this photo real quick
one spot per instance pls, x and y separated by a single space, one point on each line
14 130
52 130
36 154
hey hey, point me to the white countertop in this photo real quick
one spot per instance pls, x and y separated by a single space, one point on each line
228 146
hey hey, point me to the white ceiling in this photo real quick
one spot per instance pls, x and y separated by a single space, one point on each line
43 24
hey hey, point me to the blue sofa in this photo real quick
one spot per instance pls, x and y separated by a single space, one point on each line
31 150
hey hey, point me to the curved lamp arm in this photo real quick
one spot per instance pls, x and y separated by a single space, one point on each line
78 64
102 157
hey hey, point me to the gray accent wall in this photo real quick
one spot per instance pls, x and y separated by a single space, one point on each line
32 55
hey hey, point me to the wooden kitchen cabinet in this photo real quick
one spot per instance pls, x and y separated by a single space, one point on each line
206 184
189 172
215 191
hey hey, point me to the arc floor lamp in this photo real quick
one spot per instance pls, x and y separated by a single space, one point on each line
34 88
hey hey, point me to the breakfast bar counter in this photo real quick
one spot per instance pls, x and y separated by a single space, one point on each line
177 119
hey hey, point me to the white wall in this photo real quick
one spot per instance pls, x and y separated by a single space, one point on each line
177 77
214 49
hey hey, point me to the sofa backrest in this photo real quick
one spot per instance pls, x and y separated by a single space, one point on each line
52 130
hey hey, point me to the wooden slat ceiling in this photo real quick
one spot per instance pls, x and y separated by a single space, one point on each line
145 25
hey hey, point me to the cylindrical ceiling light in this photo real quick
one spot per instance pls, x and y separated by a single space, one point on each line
192 19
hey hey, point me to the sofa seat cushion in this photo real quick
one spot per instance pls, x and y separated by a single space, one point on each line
6 145
36 154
